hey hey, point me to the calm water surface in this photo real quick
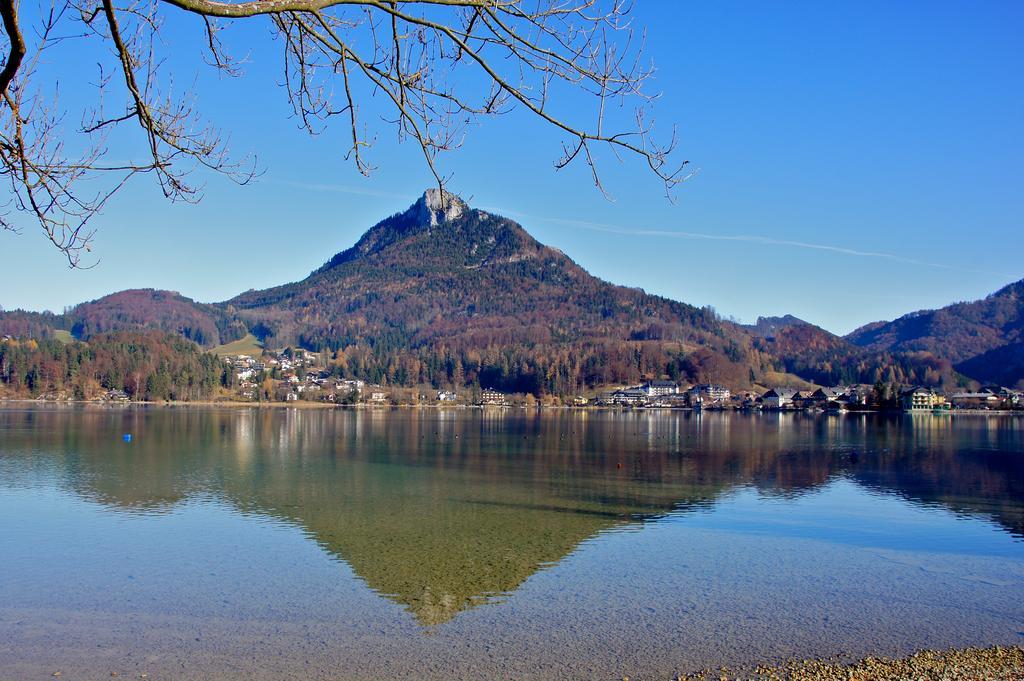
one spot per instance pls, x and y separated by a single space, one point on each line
272 544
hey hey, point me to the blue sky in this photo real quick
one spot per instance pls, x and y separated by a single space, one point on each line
857 161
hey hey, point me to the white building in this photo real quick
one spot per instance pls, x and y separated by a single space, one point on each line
709 392
659 388
629 396
778 398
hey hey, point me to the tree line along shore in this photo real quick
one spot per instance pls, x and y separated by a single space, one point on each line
156 367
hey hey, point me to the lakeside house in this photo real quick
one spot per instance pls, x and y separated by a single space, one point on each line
659 388
826 395
803 399
350 386
778 398
708 393
624 397
922 399
988 397
833 399
983 399
822 398
672 401
489 397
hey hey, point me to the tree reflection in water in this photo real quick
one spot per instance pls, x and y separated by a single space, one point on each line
442 511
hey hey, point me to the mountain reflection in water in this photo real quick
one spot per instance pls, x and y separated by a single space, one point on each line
442 511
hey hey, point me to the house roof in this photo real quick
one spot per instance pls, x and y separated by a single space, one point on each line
780 392
830 393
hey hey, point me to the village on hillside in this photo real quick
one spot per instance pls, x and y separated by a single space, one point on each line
294 375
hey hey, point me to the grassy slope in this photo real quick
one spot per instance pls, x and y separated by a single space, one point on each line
249 345
774 379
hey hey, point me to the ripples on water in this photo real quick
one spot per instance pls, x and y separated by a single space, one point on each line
376 544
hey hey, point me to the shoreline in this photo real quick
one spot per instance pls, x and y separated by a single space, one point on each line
997 662
302 404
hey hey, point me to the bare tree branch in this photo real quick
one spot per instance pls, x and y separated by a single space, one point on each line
9 11
440 66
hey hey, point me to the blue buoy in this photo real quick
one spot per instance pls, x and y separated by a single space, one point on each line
127 437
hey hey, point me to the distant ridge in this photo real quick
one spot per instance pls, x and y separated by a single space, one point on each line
131 310
981 338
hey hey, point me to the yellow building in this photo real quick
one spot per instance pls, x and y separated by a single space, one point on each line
922 399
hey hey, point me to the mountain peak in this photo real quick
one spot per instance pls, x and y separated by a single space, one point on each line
768 327
437 206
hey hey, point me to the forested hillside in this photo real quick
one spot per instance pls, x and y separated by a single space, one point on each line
207 325
145 365
131 310
824 358
982 339
24 324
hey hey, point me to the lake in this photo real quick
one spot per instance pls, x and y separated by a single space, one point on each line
439 544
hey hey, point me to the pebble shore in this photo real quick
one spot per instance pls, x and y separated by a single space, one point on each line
998 663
